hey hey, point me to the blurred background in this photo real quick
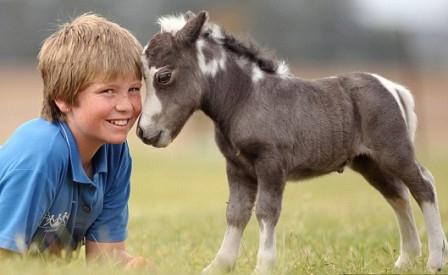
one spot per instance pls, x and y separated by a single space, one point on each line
179 193
405 40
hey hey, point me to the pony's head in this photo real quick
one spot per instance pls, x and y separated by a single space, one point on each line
173 81
189 62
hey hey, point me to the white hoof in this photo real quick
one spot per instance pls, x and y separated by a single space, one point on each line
402 262
438 259
435 263
261 271
215 268
406 260
264 269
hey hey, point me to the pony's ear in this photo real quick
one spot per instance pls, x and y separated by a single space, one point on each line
192 29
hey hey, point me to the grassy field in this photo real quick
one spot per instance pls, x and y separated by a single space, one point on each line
330 225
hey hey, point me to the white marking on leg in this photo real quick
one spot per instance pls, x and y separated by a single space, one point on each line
398 91
434 226
436 236
230 245
228 252
267 248
410 246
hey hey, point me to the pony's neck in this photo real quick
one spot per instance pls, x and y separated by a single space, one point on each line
226 93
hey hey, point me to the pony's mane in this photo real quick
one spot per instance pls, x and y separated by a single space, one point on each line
248 48
242 47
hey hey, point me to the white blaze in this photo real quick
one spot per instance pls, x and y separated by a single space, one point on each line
152 105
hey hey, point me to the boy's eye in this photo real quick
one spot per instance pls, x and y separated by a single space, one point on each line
134 90
107 92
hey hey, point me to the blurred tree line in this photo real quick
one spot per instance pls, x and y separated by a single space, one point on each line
298 30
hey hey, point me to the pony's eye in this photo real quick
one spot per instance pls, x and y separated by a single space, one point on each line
163 77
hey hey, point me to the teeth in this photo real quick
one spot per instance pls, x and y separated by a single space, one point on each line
123 122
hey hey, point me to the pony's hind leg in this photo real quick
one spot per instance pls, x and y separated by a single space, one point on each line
438 245
402 164
429 177
397 196
242 193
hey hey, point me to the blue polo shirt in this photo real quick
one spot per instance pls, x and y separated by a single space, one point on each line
46 198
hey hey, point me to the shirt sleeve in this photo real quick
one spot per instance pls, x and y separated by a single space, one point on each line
111 224
25 195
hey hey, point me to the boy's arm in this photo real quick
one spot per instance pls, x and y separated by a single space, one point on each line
25 196
114 252
105 238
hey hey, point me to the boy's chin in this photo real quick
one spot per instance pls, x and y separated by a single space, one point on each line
117 140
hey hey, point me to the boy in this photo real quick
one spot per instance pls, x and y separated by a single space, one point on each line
64 177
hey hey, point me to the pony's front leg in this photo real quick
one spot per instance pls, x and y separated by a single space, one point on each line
242 192
271 183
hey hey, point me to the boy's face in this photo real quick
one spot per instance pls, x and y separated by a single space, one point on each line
105 111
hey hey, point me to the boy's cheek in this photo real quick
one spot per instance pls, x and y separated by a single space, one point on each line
138 110
137 106
134 120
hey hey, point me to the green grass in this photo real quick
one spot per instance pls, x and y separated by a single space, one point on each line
329 225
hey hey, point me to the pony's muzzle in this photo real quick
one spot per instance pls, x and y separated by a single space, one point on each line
152 139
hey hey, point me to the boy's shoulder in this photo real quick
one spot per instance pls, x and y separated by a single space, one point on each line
38 134
35 141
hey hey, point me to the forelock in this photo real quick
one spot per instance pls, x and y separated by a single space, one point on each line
172 23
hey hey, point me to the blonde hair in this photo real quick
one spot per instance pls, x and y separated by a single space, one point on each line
78 53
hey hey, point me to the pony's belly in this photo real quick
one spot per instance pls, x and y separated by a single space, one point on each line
304 174
300 173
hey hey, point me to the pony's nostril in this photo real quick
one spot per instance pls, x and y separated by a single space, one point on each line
149 140
153 140
139 131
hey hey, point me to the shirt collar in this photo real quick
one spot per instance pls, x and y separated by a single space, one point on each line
99 160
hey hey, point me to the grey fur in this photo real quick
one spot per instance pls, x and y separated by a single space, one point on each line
282 127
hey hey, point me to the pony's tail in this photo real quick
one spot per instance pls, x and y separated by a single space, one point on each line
407 100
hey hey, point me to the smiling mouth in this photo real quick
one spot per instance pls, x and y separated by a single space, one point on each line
119 122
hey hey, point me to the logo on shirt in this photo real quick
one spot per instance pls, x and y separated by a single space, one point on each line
54 222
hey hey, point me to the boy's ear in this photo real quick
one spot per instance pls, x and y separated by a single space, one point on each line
63 107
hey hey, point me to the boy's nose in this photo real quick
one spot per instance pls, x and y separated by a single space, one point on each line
124 104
